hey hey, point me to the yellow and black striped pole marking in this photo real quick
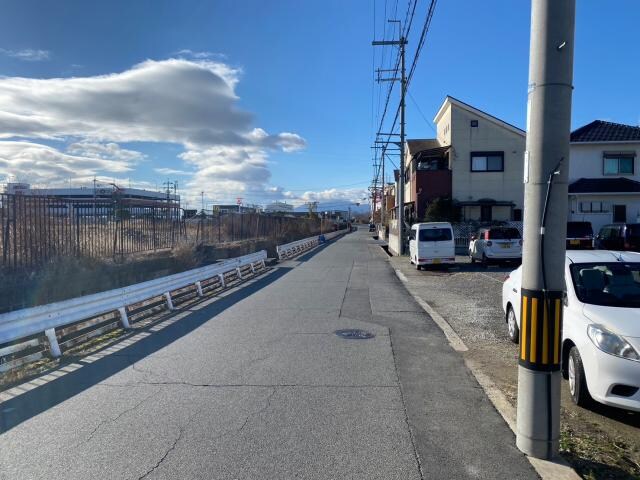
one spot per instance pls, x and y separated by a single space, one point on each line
540 330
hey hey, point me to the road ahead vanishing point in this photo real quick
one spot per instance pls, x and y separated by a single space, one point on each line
256 384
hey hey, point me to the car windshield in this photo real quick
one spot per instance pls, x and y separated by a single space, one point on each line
579 229
611 284
435 234
503 233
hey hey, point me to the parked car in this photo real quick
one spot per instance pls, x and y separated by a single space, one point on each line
372 227
493 244
619 236
431 244
601 329
579 235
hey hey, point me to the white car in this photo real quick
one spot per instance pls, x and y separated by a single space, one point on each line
601 328
431 243
495 244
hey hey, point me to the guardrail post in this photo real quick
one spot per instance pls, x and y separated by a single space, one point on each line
124 319
264 265
221 277
239 273
167 296
253 270
53 342
199 289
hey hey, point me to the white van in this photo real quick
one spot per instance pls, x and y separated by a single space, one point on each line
431 244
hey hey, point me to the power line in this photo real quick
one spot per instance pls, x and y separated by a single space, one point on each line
421 114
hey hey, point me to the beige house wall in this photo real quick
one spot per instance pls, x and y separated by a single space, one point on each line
488 136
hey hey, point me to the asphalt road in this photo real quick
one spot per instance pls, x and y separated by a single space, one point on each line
256 385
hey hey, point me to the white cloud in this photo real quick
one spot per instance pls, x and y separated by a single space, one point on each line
185 52
27 54
111 151
169 101
332 196
186 102
40 164
172 171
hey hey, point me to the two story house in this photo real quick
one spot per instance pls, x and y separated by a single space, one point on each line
604 177
476 161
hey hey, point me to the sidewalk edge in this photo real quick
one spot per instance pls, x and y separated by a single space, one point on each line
556 469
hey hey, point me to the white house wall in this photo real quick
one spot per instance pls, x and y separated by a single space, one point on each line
597 220
586 159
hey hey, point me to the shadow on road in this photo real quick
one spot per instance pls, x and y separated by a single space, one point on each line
33 402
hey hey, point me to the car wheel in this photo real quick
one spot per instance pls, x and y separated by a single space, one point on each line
471 258
418 267
512 325
577 381
485 261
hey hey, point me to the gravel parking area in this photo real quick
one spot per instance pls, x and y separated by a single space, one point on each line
602 442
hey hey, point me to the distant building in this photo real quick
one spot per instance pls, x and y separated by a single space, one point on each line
604 182
100 191
278 207
101 200
235 208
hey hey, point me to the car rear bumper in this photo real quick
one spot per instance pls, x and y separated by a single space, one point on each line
436 261
503 256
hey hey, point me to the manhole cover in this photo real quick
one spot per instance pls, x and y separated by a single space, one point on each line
354 334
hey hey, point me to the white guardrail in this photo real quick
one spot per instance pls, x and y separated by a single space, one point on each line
290 250
46 318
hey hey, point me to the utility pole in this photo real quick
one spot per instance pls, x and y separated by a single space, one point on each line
383 197
546 166
402 42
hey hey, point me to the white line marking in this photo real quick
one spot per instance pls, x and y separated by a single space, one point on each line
491 278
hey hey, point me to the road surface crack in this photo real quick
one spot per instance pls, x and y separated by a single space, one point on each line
171 448
113 419
406 415
242 385
259 412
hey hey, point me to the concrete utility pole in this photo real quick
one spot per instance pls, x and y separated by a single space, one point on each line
402 42
403 84
546 167
384 198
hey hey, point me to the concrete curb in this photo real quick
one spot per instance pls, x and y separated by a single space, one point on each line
556 469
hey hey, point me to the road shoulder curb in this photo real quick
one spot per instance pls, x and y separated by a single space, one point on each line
556 469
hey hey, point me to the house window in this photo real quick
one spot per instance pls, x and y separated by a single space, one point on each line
618 163
517 214
487 161
594 207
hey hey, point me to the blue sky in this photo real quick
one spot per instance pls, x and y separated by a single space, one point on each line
274 100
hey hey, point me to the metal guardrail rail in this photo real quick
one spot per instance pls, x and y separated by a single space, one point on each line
27 322
290 250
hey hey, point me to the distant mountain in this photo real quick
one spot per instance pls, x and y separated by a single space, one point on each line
338 205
